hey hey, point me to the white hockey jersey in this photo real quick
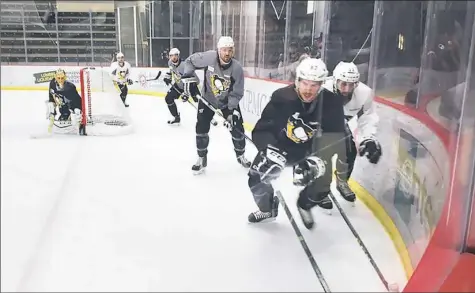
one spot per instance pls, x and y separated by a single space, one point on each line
362 107
120 74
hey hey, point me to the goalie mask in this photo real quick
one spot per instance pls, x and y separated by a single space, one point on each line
298 131
60 77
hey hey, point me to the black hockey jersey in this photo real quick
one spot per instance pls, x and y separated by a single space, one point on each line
64 96
325 115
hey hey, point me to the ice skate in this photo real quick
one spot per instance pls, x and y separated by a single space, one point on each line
243 161
175 121
345 191
264 217
200 165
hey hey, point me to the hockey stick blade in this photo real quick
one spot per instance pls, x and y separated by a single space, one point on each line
302 241
151 79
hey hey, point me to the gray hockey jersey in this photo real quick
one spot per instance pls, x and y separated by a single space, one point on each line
176 71
223 86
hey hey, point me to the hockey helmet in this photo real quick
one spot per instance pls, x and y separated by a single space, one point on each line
225 42
312 69
174 51
120 55
347 72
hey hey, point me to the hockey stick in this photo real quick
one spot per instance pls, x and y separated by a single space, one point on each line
302 241
390 287
150 79
217 112
310 257
213 122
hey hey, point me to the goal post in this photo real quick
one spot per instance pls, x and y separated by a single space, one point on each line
103 112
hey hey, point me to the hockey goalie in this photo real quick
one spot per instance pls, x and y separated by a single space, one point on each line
63 106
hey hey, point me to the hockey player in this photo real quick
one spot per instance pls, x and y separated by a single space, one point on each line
173 78
223 87
120 72
358 104
301 126
63 96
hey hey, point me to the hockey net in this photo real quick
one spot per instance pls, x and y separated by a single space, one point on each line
103 111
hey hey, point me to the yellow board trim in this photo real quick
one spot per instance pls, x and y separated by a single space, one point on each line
363 195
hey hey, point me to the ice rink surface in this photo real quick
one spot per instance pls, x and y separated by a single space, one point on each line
126 213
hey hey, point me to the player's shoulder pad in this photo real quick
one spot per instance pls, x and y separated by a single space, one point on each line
284 94
363 91
236 63
69 84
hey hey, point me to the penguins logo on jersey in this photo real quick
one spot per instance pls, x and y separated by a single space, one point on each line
298 131
175 77
219 85
121 74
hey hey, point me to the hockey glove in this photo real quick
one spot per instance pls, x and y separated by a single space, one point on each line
232 120
309 170
167 79
297 130
269 163
188 83
130 82
372 149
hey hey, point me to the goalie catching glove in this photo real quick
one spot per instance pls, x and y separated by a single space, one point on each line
309 170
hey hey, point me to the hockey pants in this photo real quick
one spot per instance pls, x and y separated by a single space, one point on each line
204 117
174 93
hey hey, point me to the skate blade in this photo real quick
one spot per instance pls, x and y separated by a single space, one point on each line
268 220
174 124
199 172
